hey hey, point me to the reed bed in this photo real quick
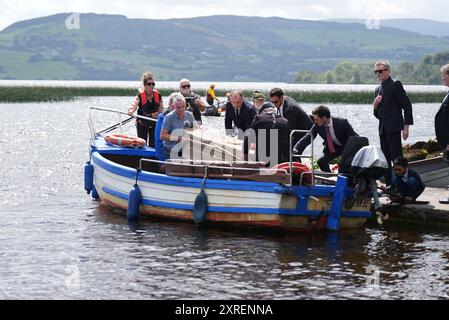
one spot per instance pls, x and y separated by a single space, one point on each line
21 94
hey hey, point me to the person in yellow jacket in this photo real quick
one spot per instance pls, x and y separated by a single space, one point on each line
210 95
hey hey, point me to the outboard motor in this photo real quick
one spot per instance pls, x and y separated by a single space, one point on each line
368 165
353 145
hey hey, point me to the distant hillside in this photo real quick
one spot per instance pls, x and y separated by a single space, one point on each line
421 26
219 48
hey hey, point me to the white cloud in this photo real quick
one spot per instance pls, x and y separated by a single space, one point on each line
17 10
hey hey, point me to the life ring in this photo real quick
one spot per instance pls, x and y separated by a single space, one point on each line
125 141
298 170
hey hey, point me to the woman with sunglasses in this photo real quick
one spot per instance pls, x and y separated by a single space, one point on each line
148 103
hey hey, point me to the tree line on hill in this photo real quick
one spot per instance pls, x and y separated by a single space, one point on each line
425 72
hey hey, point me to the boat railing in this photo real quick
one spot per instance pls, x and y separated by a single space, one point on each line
207 167
120 123
300 156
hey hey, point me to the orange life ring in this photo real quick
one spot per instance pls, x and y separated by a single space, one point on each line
125 141
298 169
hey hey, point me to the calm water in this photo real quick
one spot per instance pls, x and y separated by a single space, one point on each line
55 242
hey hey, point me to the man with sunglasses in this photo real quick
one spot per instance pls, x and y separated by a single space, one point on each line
394 110
148 103
194 102
288 108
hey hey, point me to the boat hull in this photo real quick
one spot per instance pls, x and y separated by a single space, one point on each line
434 172
236 203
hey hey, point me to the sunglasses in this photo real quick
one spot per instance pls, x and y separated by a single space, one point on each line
380 71
150 84
275 102
187 86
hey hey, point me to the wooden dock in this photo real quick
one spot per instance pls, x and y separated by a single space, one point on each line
433 213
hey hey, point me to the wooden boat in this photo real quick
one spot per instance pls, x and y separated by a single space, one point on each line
238 194
434 172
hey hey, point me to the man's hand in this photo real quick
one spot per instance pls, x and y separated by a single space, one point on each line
383 188
406 133
377 101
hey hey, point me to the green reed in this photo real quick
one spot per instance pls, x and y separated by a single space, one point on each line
47 94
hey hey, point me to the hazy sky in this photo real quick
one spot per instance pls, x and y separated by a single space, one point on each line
16 10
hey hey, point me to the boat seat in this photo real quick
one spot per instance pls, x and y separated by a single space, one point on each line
224 170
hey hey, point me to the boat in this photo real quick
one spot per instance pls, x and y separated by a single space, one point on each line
215 110
217 192
433 171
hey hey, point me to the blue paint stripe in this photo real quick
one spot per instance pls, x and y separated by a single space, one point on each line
180 181
264 211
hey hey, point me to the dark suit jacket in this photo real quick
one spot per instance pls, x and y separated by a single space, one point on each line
342 128
389 112
421 185
268 122
297 118
442 123
247 114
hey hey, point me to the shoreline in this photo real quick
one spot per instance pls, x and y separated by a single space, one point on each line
22 94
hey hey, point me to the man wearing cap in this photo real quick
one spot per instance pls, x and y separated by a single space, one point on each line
269 120
258 100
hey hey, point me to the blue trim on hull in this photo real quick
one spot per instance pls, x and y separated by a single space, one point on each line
182 182
170 205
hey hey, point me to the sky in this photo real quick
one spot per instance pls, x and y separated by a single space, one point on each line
17 10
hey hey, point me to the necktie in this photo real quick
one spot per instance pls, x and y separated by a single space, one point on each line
279 112
237 116
330 142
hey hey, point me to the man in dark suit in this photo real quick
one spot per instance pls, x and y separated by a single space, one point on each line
239 113
335 133
442 121
389 105
268 120
288 108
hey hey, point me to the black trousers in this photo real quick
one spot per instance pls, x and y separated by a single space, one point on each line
324 161
145 130
391 145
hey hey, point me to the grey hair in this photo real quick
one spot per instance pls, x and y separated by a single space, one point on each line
172 97
445 69
183 80
383 63
178 98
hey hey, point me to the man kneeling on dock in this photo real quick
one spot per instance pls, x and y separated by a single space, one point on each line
406 184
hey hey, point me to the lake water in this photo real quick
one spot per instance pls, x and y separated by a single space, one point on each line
58 243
